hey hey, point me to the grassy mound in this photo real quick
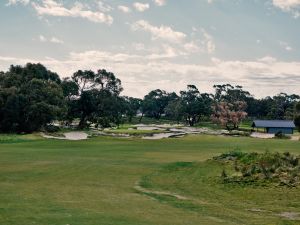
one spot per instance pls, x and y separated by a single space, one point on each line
265 168
197 187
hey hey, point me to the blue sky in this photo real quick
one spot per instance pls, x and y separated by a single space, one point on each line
163 44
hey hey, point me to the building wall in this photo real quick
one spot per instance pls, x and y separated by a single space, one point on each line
283 130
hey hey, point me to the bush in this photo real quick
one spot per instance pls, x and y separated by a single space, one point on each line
281 135
230 155
254 168
239 133
51 128
297 122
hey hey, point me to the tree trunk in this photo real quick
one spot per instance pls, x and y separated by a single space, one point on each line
191 121
141 117
199 117
82 123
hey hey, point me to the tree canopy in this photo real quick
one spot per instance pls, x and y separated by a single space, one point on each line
32 97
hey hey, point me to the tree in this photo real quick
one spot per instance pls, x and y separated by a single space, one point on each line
229 115
70 88
132 106
297 115
71 93
283 106
230 93
32 71
97 97
174 110
194 104
155 102
230 104
108 82
31 97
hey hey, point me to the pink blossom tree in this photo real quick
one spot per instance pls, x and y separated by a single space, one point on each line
229 115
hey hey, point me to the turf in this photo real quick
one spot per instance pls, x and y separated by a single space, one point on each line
93 182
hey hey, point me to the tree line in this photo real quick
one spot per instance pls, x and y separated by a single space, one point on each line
31 97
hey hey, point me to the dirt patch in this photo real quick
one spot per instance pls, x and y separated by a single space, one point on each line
295 138
166 193
285 215
258 210
290 215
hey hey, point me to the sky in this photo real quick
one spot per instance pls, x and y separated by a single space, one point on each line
165 44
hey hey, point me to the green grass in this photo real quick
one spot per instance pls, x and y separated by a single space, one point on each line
211 199
14 138
51 182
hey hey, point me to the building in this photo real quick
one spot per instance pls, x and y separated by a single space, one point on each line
275 126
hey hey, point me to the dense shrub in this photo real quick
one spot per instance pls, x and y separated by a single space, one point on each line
281 135
51 128
281 169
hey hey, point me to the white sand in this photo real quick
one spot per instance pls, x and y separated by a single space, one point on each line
262 135
73 136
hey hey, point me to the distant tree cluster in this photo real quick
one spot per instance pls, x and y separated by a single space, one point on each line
32 97
297 115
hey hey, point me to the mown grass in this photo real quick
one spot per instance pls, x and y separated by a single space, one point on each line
50 182
14 138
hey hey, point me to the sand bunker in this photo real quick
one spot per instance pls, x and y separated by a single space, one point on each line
73 136
163 135
262 135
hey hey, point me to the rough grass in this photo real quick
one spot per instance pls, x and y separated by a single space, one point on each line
50 182
205 195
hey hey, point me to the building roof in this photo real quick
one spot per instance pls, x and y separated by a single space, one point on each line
273 123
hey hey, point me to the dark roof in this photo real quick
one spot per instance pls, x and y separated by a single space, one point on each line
274 123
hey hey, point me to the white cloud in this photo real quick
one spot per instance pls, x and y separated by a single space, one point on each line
192 47
162 32
14 2
54 40
210 1
177 38
208 42
42 38
286 4
160 2
103 7
285 46
53 8
141 7
165 53
267 59
139 46
292 6
124 9
266 76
